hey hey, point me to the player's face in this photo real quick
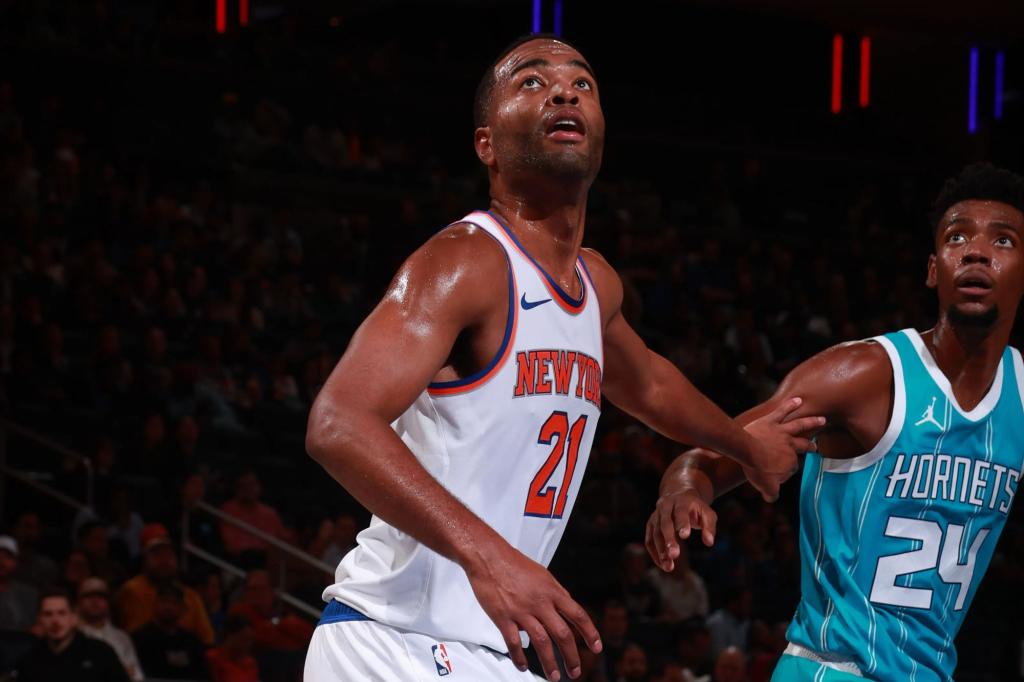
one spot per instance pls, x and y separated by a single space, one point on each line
546 114
978 265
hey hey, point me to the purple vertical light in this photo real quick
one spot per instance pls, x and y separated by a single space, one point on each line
536 16
972 97
999 84
558 18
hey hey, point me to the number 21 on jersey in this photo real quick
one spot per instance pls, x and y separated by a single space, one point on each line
543 499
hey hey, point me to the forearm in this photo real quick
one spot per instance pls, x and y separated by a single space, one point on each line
361 451
703 472
676 409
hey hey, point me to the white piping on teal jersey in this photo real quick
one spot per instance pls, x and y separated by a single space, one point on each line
982 409
821 547
860 536
1018 371
892 432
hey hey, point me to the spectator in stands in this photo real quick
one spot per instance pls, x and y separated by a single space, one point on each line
271 630
166 649
33 568
211 589
76 568
246 505
233 660
125 522
64 653
682 592
18 601
631 665
730 626
94 541
94 620
731 666
137 600
671 671
614 628
693 647
335 539
634 587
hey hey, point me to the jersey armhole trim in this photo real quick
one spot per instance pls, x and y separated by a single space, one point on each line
1018 372
892 432
477 379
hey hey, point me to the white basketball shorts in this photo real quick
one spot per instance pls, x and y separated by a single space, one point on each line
363 650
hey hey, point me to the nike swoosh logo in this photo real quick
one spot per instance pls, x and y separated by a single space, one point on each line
532 304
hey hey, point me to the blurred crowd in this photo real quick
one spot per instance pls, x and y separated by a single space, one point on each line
172 319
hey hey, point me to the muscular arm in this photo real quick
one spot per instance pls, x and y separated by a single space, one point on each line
444 290
441 290
850 385
651 389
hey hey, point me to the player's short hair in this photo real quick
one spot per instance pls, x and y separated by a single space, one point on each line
485 88
981 181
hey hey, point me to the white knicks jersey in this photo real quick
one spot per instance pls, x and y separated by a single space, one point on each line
511 442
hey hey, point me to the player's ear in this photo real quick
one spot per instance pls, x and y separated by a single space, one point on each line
933 279
482 144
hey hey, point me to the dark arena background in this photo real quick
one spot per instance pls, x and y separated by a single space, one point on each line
200 200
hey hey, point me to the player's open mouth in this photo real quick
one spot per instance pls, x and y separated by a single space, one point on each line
974 283
566 126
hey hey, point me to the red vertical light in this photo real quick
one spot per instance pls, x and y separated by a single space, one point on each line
837 73
243 12
865 72
222 16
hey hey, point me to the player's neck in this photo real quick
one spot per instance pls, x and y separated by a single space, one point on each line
968 356
552 231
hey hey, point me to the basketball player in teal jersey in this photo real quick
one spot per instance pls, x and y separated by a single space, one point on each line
917 464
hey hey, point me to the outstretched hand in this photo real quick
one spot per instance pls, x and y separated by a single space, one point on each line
778 442
676 516
520 594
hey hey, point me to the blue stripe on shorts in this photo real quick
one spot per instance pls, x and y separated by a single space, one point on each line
336 612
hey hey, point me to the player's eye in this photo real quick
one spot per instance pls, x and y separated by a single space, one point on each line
956 238
531 82
583 84
1004 241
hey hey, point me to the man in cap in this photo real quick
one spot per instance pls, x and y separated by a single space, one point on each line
167 650
137 598
17 600
94 620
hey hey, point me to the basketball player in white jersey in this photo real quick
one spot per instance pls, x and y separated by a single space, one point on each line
463 410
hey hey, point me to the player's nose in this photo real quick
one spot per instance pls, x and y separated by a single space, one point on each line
977 251
562 93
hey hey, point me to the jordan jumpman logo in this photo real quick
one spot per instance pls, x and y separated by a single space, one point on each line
929 415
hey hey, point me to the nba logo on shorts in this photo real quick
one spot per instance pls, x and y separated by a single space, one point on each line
441 660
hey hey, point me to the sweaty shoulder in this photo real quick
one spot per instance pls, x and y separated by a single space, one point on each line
842 376
461 265
858 368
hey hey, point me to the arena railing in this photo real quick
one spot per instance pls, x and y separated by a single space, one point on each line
275 542
7 427
31 479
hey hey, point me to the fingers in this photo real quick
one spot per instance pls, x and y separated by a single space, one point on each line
803 425
540 640
803 444
656 543
708 524
785 408
578 618
510 633
565 639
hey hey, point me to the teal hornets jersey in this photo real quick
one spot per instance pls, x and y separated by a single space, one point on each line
894 543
